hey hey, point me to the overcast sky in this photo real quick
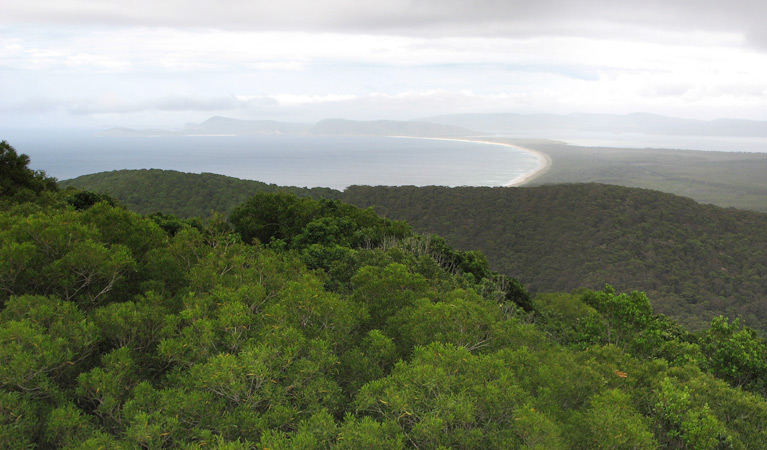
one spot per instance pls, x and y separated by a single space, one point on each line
144 63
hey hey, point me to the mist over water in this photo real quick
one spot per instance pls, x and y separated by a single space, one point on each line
657 141
335 162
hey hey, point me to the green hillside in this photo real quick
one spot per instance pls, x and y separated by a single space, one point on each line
313 324
185 195
696 261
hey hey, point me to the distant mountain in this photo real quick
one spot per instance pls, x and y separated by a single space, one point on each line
131 132
226 125
456 125
632 123
331 127
337 127
219 126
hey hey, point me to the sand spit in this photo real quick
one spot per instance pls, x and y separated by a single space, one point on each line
544 160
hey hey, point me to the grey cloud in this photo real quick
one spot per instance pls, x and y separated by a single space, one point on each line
757 35
412 17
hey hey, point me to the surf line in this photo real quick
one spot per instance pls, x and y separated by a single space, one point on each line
544 160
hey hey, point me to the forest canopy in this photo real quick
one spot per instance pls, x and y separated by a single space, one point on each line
695 261
314 324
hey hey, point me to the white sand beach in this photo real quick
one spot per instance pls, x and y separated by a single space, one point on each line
544 160
544 163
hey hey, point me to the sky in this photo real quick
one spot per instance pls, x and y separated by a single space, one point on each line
165 63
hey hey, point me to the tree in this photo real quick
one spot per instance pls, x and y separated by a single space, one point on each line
387 290
107 387
736 354
446 397
19 421
42 341
685 424
622 316
460 317
16 177
59 254
613 422
272 216
83 200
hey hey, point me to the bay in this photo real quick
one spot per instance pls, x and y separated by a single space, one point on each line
335 162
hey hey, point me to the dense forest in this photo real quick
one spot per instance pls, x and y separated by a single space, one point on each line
185 195
314 324
695 261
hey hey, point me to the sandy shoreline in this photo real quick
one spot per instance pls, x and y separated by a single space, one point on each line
544 160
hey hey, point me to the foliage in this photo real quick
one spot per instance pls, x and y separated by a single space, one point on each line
338 330
82 200
17 181
185 195
736 354
695 261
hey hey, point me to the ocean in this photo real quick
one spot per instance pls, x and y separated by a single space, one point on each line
335 162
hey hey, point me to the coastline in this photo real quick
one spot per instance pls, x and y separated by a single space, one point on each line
544 164
544 160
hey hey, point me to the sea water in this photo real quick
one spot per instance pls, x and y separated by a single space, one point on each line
335 162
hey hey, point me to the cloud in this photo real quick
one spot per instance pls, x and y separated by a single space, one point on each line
394 59
115 104
407 17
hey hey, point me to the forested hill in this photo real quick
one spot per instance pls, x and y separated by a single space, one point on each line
695 261
313 324
186 195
